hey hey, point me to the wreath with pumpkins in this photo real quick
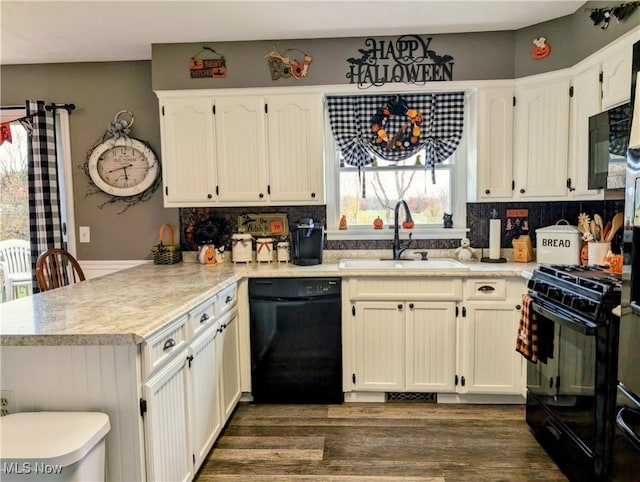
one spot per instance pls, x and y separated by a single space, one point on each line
407 135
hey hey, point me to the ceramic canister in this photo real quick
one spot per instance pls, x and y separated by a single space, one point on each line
264 250
241 249
283 252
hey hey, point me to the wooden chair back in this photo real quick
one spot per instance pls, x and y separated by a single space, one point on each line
57 267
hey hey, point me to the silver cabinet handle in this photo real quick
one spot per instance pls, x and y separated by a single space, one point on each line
170 343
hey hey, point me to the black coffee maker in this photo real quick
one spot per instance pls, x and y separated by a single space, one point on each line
307 238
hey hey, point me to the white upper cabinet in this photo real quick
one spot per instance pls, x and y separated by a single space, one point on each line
542 139
188 151
495 143
616 76
585 102
294 131
241 150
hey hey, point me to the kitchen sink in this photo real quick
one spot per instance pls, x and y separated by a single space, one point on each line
400 264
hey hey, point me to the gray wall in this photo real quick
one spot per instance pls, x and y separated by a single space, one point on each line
100 90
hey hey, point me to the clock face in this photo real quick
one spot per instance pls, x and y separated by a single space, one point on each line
123 167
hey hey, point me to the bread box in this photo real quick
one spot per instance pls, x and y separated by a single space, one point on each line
558 244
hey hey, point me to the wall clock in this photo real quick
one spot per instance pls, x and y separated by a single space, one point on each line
123 166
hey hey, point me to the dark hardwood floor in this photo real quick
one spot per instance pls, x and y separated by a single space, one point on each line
395 441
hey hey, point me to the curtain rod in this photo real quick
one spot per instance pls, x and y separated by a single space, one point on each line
68 107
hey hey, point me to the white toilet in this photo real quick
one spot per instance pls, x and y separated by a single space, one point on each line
53 446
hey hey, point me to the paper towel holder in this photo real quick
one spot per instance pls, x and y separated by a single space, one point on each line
487 259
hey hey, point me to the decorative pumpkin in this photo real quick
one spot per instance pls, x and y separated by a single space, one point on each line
541 50
343 223
408 225
584 254
378 223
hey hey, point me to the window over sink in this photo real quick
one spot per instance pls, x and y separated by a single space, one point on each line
364 194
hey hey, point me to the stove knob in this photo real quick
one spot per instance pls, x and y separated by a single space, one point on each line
555 294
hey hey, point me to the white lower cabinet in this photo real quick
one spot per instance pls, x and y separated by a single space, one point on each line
487 328
166 425
229 364
462 346
489 362
404 346
190 395
206 412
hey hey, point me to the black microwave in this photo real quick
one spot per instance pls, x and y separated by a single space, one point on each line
608 141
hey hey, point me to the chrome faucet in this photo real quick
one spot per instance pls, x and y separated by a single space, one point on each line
398 247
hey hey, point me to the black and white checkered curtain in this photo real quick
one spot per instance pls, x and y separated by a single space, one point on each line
350 118
45 222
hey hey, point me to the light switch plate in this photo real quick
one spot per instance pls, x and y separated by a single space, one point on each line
85 234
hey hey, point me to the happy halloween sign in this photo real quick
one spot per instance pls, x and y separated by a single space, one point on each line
409 59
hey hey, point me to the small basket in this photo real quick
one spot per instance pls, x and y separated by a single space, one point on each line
166 253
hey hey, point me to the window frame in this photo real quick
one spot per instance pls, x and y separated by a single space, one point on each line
360 232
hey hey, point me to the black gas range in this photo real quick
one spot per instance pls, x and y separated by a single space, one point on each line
571 390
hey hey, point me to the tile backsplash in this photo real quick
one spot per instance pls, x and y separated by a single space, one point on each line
539 215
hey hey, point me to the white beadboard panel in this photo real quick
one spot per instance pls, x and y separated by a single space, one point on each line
94 269
82 378
166 425
431 347
496 366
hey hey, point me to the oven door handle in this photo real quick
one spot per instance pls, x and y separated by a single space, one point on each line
583 327
626 412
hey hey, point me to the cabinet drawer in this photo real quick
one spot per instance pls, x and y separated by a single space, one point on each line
486 289
203 316
159 348
227 299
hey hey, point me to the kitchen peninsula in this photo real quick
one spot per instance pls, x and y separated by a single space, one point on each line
123 344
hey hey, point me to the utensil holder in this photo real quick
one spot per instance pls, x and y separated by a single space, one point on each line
597 252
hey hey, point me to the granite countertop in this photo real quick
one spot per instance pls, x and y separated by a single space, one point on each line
128 306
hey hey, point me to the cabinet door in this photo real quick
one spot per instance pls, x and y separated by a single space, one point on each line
294 138
240 149
229 364
585 102
167 445
206 413
489 361
379 346
188 155
542 139
430 346
495 143
616 77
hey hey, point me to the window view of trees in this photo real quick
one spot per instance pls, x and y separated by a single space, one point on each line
14 195
387 182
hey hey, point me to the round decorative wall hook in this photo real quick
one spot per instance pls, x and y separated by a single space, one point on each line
123 122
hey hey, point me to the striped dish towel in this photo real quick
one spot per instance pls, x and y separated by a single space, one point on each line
527 339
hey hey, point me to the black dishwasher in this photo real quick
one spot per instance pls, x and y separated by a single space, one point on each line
296 340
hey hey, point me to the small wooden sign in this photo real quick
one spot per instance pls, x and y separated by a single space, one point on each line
263 224
208 68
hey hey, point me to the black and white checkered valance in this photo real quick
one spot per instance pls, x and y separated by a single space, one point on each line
441 130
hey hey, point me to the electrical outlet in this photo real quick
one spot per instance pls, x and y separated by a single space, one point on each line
85 234
7 402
